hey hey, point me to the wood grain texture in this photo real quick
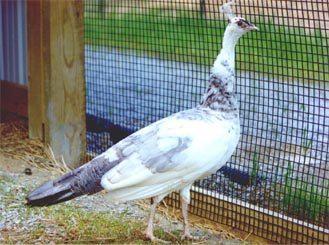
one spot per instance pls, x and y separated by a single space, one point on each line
35 70
65 99
56 74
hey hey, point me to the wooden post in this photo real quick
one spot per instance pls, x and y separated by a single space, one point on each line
56 77
35 71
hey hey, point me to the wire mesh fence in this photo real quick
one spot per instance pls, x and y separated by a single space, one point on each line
148 59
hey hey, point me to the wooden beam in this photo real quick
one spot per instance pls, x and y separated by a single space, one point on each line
251 219
36 111
66 86
56 77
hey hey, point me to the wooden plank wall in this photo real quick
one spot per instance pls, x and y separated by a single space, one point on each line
56 77
13 98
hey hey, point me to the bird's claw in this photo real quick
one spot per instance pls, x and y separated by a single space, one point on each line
158 240
155 239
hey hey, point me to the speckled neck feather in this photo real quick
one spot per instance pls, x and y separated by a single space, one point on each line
220 94
217 96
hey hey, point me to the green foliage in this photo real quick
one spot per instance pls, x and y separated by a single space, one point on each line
306 142
255 169
288 174
86 227
305 200
288 53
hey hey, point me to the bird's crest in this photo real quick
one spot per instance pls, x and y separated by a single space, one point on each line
226 9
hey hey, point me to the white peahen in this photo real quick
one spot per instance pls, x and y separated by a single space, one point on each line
168 155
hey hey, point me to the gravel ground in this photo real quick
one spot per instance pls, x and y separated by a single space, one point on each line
282 121
16 217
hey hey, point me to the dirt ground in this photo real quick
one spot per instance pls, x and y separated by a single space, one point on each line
12 171
74 221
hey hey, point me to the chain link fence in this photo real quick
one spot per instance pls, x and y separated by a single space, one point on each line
145 60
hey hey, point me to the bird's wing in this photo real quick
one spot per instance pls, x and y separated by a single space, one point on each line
179 149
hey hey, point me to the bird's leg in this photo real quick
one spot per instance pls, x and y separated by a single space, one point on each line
185 200
186 233
149 229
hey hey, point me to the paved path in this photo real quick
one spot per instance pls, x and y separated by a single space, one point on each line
281 121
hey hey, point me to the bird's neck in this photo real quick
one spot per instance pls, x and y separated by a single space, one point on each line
220 95
227 52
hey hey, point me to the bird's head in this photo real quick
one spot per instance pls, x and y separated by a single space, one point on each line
237 25
240 25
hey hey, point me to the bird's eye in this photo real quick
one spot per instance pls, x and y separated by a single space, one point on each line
240 22
216 84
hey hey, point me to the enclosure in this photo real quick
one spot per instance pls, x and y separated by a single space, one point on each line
127 64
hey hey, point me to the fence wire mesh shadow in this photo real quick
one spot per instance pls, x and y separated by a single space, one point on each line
145 60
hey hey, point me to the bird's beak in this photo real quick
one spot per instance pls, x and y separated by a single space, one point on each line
252 27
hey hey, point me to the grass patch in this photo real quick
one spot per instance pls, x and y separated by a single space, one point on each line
66 223
78 226
305 200
288 53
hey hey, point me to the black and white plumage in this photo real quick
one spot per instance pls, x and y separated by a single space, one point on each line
168 155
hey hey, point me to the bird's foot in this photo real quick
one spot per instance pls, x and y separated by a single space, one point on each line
155 239
187 235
